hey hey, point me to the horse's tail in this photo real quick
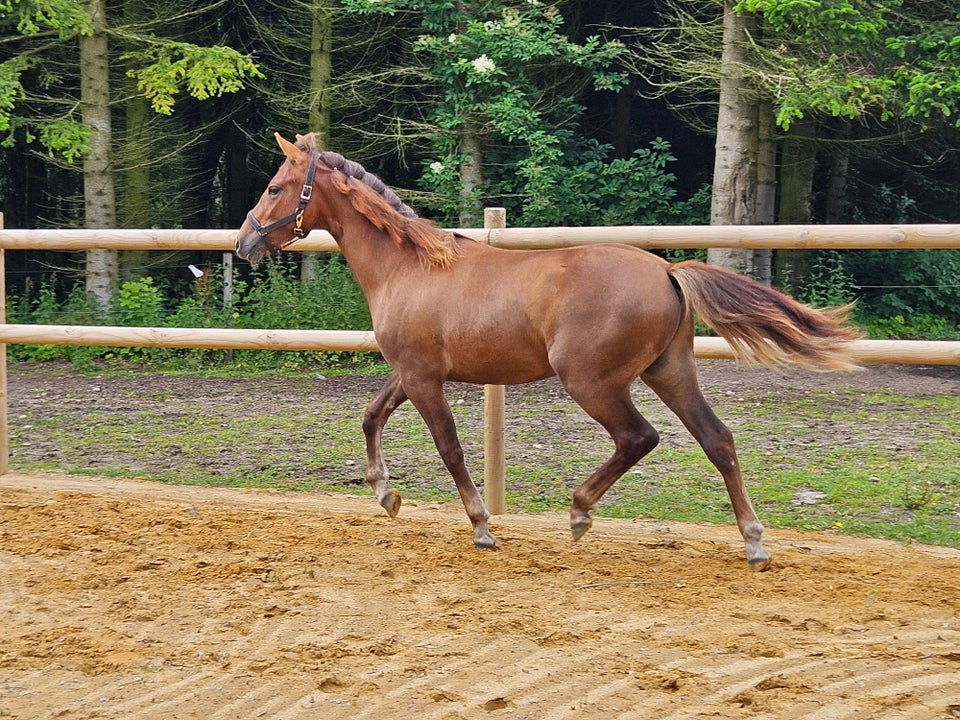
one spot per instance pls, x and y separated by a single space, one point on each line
762 324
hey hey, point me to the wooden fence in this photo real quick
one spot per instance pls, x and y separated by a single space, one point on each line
494 233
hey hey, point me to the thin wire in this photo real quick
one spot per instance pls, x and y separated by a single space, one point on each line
901 287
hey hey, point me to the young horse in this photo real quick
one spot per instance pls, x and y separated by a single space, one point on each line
447 308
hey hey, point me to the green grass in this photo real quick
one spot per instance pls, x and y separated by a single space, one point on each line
907 490
888 466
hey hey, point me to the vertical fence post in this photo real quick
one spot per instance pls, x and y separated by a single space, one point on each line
4 428
494 461
228 294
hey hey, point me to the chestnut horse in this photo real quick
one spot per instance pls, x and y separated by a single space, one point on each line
447 308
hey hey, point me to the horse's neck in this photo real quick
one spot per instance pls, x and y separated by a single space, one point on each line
371 253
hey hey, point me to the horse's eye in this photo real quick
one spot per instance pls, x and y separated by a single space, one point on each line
273 190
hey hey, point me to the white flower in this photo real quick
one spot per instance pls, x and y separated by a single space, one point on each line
436 166
452 38
483 64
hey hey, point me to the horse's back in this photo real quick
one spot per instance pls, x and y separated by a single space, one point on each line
505 316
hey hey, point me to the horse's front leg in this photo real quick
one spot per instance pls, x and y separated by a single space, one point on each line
432 404
390 397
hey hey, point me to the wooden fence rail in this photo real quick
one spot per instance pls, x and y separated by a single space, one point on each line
907 352
773 236
848 237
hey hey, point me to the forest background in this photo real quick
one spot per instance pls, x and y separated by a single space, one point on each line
124 113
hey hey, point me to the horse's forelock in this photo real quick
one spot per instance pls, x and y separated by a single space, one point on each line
307 142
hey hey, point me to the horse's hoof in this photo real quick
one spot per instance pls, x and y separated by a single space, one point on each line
759 564
580 526
390 501
485 541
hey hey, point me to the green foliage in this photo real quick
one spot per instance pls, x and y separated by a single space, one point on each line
65 137
929 69
141 303
915 326
815 41
495 65
275 298
45 308
828 90
908 283
205 72
826 282
162 68
11 90
848 59
838 22
67 17
586 188
278 298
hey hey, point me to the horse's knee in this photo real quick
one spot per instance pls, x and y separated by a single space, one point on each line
371 422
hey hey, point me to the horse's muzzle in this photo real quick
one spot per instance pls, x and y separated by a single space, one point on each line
249 246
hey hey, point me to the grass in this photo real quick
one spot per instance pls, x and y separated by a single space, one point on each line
907 490
885 465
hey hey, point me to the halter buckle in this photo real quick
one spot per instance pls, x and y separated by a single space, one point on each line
297 217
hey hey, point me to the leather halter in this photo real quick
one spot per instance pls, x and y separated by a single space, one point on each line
295 217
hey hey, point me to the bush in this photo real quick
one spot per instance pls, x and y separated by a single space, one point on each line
907 282
918 298
274 298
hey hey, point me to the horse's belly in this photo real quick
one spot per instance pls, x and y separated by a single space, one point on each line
499 366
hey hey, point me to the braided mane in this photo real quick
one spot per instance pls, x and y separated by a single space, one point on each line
380 205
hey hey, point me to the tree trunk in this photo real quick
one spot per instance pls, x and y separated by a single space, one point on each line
471 172
797 164
135 209
321 67
837 183
766 208
98 194
735 188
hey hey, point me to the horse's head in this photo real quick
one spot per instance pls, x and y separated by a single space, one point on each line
284 212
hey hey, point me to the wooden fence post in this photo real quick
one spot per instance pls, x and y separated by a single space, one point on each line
494 460
4 429
228 295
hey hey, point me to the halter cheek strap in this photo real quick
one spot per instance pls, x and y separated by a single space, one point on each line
295 217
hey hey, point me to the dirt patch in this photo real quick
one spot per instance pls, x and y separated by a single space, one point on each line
136 600
172 427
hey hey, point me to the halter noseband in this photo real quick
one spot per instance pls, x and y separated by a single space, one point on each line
295 217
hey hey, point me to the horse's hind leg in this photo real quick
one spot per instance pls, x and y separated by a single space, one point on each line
632 435
675 382
390 397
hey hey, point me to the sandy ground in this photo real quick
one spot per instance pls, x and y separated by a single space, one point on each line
130 599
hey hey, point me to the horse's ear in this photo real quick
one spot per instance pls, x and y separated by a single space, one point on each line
289 149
